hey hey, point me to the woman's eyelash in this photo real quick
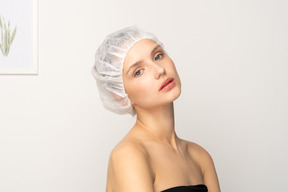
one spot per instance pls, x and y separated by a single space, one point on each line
138 72
159 56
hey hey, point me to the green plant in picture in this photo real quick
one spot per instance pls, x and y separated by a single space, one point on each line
7 36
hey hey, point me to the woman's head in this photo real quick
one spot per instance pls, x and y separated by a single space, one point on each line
150 77
108 68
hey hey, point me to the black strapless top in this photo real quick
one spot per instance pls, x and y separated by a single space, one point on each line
189 188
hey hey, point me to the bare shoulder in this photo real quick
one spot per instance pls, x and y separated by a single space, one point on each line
205 161
129 168
197 152
128 148
128 153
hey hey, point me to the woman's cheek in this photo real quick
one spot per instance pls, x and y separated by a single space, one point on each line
141 87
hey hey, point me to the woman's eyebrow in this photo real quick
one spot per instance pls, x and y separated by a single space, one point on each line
133 66
155 49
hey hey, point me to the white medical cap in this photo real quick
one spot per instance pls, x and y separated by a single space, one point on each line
108 67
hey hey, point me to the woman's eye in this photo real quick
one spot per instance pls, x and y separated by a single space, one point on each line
138 72
159 56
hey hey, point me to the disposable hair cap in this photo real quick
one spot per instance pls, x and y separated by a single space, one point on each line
108 67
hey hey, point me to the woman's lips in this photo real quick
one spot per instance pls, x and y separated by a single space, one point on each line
167 84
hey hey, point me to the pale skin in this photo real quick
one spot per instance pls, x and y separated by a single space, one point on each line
151 157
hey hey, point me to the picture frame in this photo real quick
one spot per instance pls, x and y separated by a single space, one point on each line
18 37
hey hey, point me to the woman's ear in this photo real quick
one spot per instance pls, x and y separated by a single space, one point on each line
132 103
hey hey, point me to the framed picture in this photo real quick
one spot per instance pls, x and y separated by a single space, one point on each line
18 37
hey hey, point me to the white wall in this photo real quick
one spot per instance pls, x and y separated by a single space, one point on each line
232 60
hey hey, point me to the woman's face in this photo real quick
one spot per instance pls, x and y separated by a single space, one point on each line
149 75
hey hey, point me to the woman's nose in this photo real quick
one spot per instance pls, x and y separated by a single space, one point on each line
159 70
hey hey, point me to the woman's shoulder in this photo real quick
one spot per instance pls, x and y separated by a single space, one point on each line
197 152
129 152
129 168
132 144
192 146
128 147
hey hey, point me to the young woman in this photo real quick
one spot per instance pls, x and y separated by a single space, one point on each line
135 76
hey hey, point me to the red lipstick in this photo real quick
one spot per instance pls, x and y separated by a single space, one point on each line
167 84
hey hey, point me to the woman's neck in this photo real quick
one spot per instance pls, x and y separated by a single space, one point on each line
158 124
